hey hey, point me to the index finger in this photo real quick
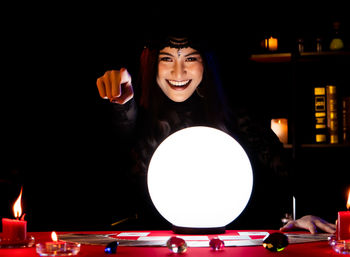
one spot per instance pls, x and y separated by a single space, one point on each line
125 77
115 83
117 79
101 88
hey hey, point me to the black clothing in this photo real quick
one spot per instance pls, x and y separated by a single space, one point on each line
142 133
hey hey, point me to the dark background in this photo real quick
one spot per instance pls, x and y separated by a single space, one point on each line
55 132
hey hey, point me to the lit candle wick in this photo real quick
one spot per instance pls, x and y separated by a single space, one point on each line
17 209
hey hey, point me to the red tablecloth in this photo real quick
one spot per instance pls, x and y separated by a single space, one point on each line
314 249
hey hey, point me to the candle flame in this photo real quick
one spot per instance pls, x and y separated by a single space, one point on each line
348 203
17 208
54 236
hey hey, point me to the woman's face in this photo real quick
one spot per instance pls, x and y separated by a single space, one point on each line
179 72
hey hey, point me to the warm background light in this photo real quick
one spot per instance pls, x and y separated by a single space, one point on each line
271 43
280 127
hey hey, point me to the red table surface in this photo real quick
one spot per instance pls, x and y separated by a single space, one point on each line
313 249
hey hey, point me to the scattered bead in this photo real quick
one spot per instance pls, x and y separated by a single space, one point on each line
332 240
276 242
112 247
216 244
177 245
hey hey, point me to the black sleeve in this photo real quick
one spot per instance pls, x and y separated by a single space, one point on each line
272 168
123 118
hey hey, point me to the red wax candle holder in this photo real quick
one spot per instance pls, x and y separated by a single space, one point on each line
14 231
343 225
341 244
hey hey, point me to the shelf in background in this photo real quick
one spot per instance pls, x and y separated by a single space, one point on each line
330 55
305 56
288 146
325 145
273 57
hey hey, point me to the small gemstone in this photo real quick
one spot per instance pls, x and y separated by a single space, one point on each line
112 247
216 244
177 245
276 242
332 240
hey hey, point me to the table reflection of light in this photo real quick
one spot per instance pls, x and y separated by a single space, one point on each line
200 177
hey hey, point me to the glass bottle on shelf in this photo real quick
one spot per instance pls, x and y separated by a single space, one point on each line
300 44
319 45
336 42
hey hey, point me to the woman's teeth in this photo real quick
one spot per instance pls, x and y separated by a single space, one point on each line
178 83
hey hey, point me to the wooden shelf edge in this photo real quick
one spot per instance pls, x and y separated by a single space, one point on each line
318 146
273 57
325 145
287 57
325 53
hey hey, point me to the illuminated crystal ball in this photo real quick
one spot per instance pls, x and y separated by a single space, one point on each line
200 177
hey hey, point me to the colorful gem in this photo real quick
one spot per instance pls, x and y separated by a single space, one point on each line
276 242
177 245
179 52
216 244
111 247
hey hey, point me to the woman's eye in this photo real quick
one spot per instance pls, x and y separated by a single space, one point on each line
165 59
191 59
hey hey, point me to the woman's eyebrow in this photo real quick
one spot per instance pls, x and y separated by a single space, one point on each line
192 53
165 53
169 54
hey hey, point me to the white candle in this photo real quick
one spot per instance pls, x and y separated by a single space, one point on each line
271 43
280 127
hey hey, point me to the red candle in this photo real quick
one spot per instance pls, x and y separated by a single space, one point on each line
343 224
15 229
55 245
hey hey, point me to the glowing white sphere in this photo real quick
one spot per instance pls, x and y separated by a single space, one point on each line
200 177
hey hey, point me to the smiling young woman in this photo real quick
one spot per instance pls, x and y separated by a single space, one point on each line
180 71
179 87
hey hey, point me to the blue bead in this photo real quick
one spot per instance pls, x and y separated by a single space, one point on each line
112 247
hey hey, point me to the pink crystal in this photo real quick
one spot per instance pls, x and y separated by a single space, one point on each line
216 244
177 245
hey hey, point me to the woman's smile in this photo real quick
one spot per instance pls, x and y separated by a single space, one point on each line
179 85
